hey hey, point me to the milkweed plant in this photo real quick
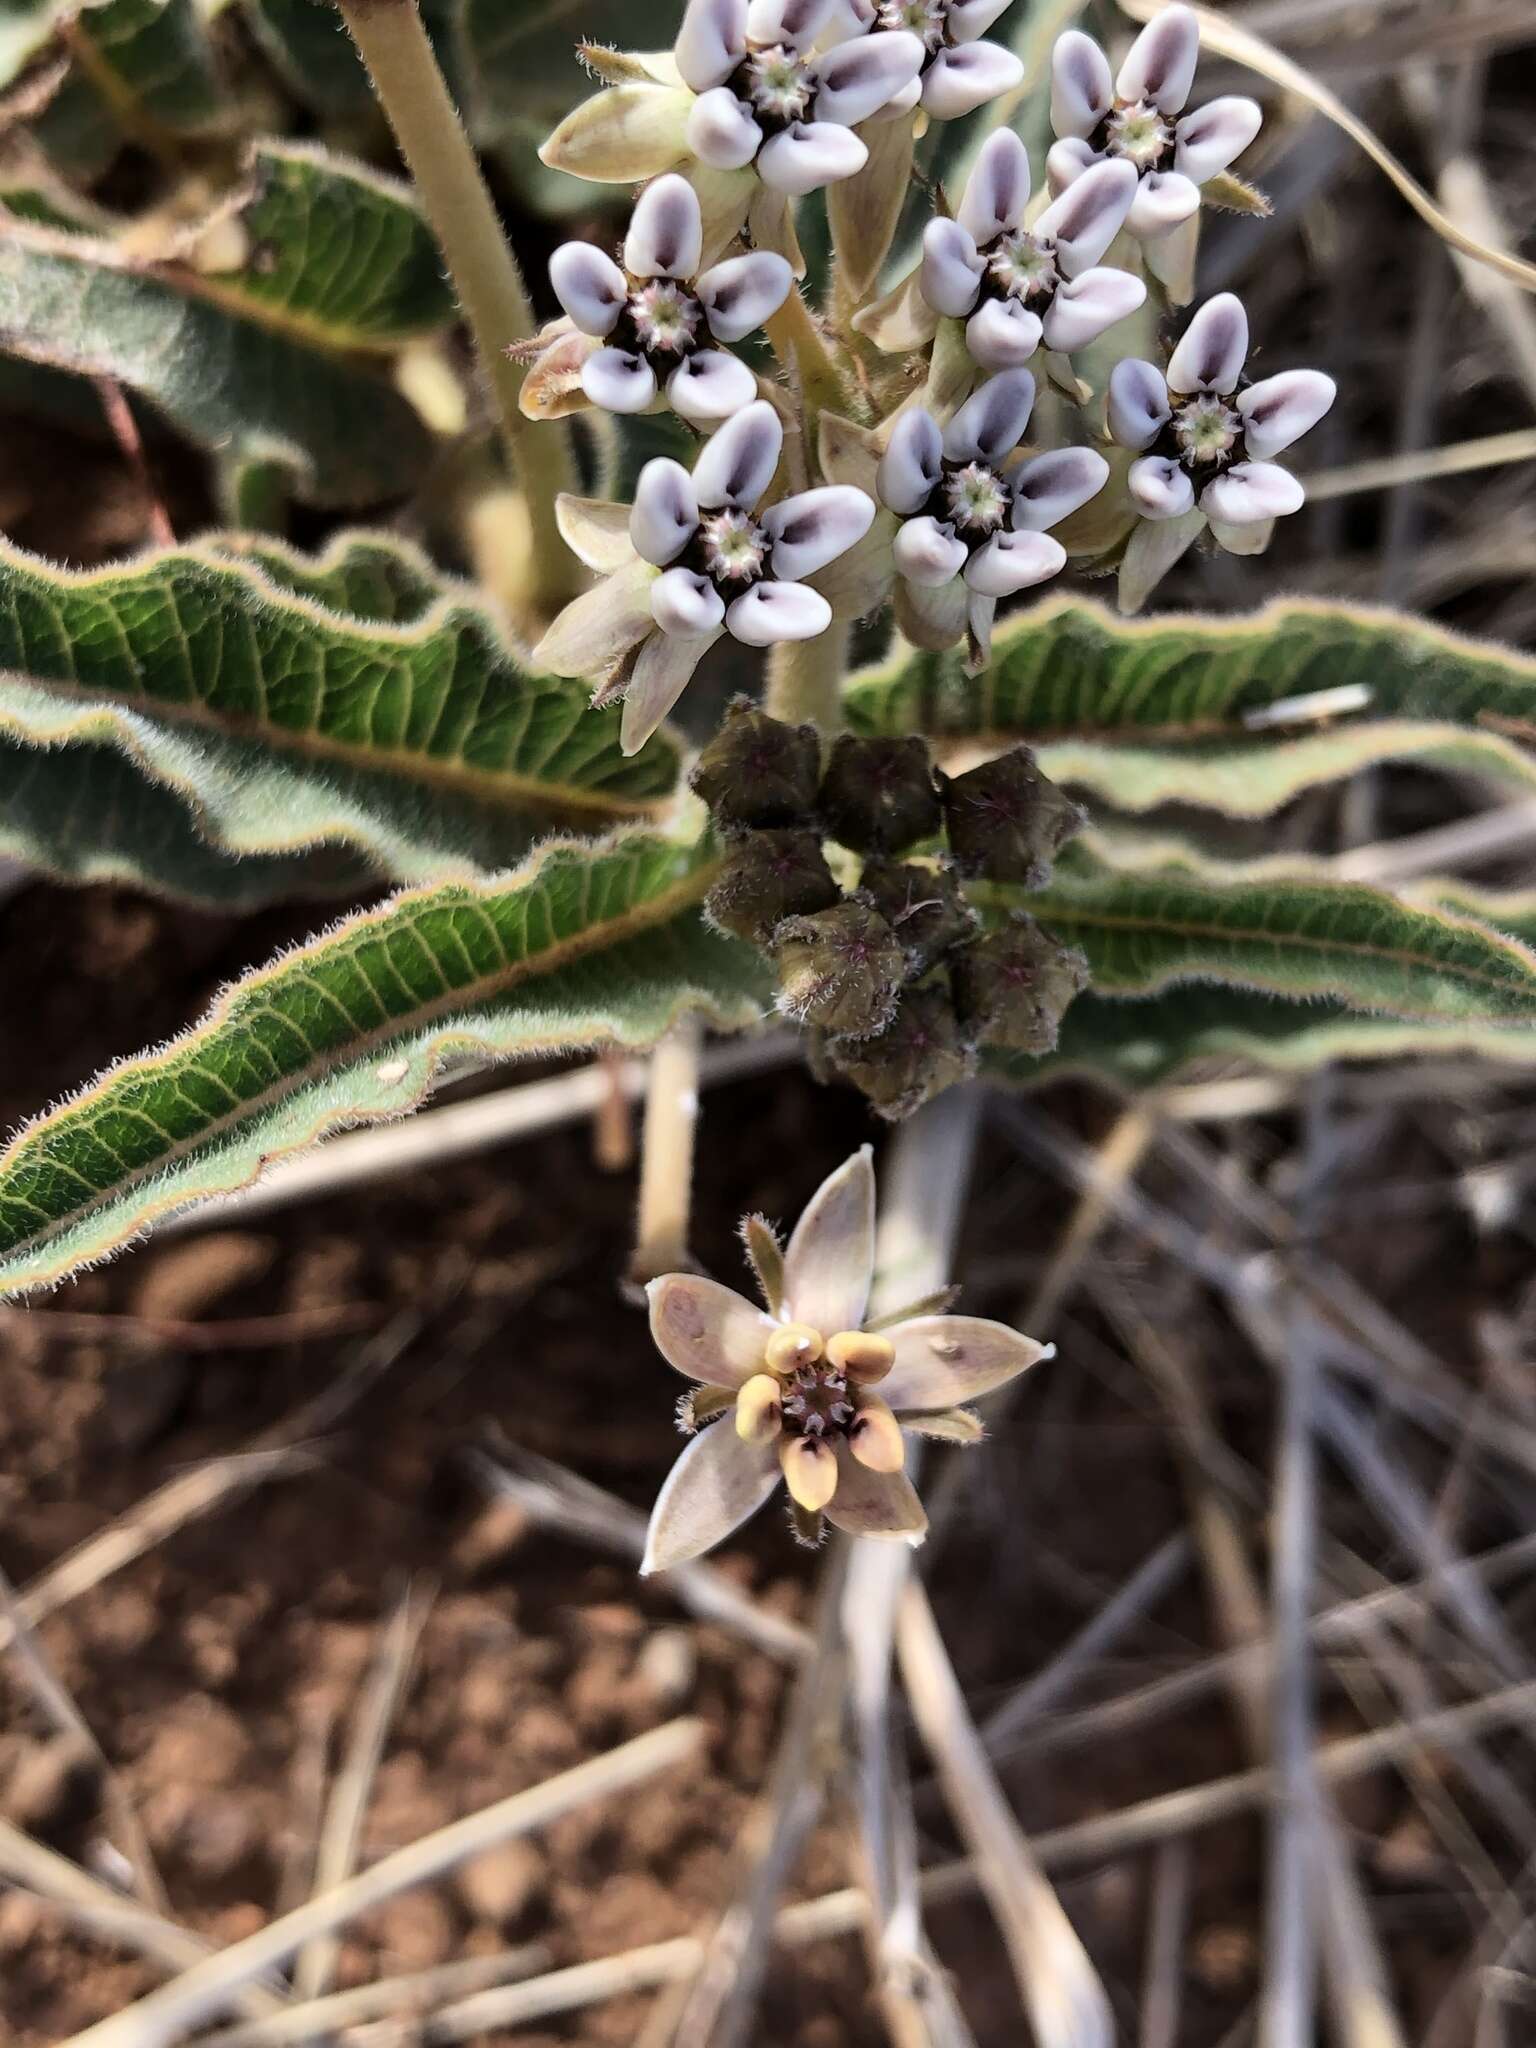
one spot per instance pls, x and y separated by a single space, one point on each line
730 649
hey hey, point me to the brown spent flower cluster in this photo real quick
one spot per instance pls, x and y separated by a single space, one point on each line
895 973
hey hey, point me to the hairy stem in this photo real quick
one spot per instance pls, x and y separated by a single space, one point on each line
411 89
666 1154
805 679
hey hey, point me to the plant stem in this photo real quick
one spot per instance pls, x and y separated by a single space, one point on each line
805 679
666 1154
412 91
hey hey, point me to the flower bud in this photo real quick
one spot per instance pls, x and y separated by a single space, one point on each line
839 969
923 906
922 1051
766 877
878 796
759 771
1007 821
758 1409
861 1356
875 1437
1013 986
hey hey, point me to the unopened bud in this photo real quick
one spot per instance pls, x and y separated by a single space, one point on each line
878 796
795 1345
921 1052
861 1356
1007 821
875 1437
759 771
1013 985
923 906
758 1412
810 1471
839 969
766 877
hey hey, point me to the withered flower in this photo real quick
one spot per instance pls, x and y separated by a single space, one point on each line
804 1391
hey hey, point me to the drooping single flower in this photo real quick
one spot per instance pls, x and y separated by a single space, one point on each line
766 98
974 519
1015 286
652 326
696 558
1137 118
1205 438
804 1392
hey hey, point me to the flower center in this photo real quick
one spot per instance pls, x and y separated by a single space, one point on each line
816 1401
976 499
1139 133
1206 430
924 19
665 317
779 83
734 549
1023 267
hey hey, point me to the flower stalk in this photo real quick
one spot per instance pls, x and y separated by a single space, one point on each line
805 679
414 95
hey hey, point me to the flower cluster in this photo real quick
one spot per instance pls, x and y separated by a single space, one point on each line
807 1391
893 973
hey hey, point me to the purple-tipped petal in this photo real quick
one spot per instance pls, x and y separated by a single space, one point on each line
992 420
712 1489
1002 334
665 514
796 23
1050 487
809 154
1279 410
903 102
912 462
686 605
711 42
617 381
1088 304
589 285
744 291
997 191
1207 140
1158 488
968 20
1082 90
1164 201
666 230
1252 492
662 671
736 464
927 552
1014 561
771 612
707 1332
815 527
710 386
959 81
1160 65
722 132
830 1259
1089 214
1210 357
857 79
946 1361
1065 163
1138 403
875 1504
952 269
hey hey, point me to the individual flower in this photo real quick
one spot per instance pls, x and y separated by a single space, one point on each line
973 521
652 326
696 559
1205 437
1015 286
765 99
1132 119
960 72
804 1391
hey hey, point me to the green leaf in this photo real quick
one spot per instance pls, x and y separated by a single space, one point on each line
338 256
232 385
354 699
588 944
1278 925
153 64
308 46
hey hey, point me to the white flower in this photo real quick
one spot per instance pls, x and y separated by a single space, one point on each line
973 522
1138 119
656 317
960 72
1205 438
765 99
794 1387
1015 286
